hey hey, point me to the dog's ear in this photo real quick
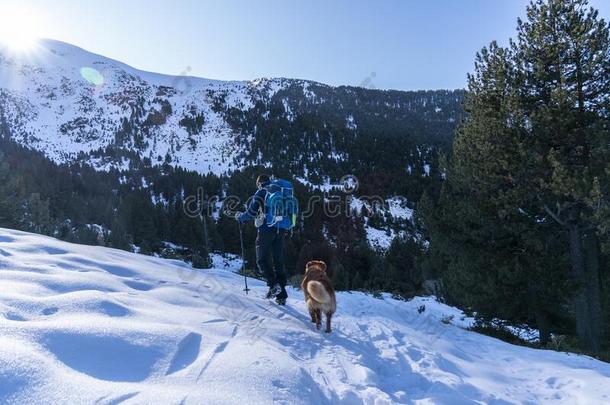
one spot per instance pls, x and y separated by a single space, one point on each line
308 266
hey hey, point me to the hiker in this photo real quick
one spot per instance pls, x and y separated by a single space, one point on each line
269 241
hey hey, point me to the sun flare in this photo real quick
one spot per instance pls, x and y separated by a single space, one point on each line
20 28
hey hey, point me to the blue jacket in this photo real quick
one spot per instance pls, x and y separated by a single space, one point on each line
255 207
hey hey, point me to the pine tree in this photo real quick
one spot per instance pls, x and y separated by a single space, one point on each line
118 238
37 217
10 209
528 185
562 55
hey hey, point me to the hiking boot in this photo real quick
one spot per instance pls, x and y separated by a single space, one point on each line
281 297
274 290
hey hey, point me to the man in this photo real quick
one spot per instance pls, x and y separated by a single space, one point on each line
269 242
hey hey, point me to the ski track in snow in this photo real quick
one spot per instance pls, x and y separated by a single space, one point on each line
82 324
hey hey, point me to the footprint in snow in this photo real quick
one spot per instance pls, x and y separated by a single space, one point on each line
13 316
108 358
114 310
187 353
6 239
138 285
119 271
50 311
115 401
215 320
45 249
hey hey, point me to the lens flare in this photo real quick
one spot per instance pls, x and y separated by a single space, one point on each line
92 76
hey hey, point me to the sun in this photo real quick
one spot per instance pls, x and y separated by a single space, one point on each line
20 28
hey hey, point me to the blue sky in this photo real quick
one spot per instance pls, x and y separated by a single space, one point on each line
397 44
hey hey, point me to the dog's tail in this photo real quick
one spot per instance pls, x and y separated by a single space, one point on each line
318 292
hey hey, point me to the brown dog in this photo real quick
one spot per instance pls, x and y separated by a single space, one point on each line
319 293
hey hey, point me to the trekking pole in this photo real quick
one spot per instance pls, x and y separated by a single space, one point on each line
243 260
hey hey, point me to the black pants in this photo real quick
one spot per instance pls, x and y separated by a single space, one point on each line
271 243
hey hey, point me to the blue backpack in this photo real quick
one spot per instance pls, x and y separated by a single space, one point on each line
281 207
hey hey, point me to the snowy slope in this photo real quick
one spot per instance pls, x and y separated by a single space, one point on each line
74 105
82 324
63 100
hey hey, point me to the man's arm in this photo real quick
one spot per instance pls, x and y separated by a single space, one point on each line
253 209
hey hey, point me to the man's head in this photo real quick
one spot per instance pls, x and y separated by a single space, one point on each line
262 179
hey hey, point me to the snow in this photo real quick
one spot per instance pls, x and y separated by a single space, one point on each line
398 208
83 324
99 229
350 123
226 261
308 93
63 100
325 187
173 246
379 239
271 85
288 110
426 169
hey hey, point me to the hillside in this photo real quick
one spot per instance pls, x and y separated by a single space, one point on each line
83 324
96 152
75 105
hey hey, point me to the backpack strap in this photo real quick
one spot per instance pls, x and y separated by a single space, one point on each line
264 203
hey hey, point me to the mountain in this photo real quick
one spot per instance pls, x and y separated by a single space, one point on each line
81 324
96 152
77 106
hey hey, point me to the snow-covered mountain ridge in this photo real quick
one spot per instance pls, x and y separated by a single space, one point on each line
72 104
83 324
63 100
